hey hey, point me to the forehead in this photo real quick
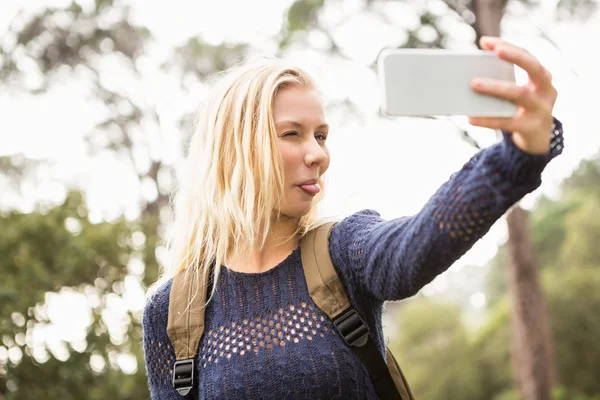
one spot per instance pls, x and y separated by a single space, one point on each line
300 104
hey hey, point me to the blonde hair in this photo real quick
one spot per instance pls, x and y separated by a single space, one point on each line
232 180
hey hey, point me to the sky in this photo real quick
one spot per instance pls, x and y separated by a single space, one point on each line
390 165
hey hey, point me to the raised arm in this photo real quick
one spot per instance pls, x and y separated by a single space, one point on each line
392 260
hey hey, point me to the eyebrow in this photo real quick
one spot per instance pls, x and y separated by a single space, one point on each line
298 125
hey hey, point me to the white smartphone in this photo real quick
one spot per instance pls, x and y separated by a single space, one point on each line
432 82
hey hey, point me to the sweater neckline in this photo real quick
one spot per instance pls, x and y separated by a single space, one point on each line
275 269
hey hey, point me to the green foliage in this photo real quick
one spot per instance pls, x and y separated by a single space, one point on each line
431 339
58 39
491 350
203 59
72 379
441 361
549 229
39 249
431 342
47 252
562 393
580 246
565 232
586 177
303 14
573 301
496 278
511 394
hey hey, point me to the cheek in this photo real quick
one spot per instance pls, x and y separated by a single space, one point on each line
290 158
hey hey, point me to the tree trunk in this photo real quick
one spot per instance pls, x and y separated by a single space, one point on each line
488 14
532 343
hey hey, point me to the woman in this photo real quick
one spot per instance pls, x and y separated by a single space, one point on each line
255 169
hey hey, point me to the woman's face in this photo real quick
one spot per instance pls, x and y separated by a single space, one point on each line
301 131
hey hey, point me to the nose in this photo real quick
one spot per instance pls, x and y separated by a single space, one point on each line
315 154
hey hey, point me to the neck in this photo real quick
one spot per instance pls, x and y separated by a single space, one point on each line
279 244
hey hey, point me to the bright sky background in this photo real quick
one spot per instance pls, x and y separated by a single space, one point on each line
392 166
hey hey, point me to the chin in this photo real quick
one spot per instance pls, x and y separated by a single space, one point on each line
297 211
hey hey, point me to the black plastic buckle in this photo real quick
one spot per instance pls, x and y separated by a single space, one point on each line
183 376
352 328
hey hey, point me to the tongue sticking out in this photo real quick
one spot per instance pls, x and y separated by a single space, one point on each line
311 189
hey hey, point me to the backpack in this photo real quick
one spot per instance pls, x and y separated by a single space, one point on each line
186 321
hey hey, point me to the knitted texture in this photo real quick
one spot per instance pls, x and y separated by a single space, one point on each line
265 338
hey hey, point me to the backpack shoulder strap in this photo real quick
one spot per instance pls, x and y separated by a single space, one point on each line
322 280
329 294
185 326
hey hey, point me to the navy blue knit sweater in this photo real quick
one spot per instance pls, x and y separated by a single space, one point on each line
264 337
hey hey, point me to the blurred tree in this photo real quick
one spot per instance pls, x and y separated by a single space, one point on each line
433 342
580 246
54 249
573 296
532 343
585 178
60 251
555 220
566 231
491 353
565 237
63 44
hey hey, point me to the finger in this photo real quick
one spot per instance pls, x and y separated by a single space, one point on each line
502 123
521 95
522 58
489 42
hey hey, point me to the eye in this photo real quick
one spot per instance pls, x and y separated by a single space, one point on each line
290 133
321 136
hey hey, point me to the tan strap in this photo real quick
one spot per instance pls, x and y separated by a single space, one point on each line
322 280
397 375
328 293
186 313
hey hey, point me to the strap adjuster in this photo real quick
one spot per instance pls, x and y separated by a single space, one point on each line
183 376
352 328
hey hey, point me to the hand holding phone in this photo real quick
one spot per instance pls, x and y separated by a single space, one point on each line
480 85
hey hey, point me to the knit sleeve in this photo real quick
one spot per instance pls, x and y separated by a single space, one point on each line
392 260
159 354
